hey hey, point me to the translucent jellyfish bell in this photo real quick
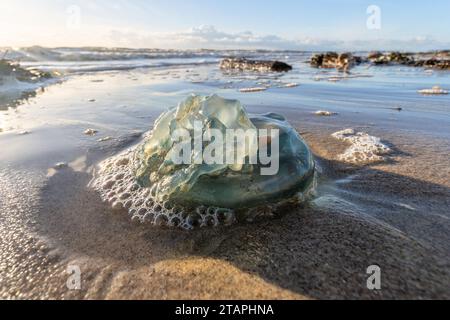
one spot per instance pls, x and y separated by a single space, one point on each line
153 187
224 185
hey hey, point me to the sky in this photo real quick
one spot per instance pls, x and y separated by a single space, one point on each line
228 24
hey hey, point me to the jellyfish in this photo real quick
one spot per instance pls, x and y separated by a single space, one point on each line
255 161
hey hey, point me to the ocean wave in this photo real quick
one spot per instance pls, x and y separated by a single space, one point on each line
99 66
94 59
17 82
37 53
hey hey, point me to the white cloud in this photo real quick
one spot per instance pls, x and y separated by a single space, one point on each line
208 37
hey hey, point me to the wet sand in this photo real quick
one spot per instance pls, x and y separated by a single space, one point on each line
392 214
313 252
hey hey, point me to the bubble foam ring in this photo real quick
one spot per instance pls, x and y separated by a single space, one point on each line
144 181
116 183
363 149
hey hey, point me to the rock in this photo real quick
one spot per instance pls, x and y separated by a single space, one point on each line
344 61
329 60
434 63
374 55
323 60
443 54
325 113
104 139
14 70
396 57
399 57
243 64
60 165
90 132
439 60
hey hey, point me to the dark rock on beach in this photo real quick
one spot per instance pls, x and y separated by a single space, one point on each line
379 58
12 69
344 61
437 60
434 63
243 64
329 60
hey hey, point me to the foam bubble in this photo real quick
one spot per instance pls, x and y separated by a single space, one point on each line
436 90
363 149
116 183
289 85
251 90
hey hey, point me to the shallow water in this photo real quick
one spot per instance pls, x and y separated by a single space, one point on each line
393 213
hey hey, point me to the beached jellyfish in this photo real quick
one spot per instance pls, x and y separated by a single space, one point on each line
171 179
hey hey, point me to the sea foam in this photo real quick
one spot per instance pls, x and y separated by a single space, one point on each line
363 148
116 183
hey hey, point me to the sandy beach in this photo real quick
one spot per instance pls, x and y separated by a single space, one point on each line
393 213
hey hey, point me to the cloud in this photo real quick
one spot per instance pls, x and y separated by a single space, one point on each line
208 37
419 43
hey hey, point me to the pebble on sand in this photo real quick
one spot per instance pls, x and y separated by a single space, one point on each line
60 165
325 113
104 139
90 132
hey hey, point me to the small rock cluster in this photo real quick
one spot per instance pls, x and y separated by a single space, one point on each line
242 64
434 63
440 60
11 69
329 60
379 58
344 61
